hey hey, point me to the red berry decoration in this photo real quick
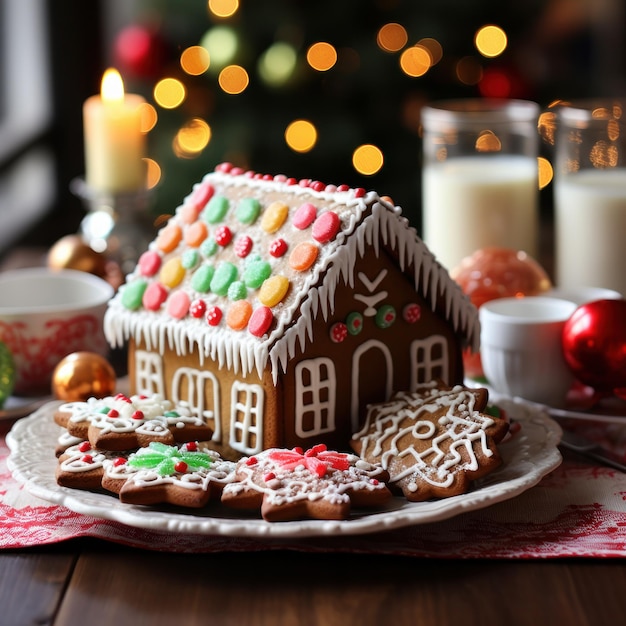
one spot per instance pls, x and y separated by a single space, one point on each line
278 247
594 345
411 313
192 446
181 467
197 308
338 332
223 236
243 245
213 315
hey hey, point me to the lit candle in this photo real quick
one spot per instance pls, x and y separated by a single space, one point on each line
114 141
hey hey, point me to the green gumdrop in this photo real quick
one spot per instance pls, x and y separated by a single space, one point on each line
209 247
224 275
201 279
237 290
216 210
190 259
132 293
256 273
248 210
7 373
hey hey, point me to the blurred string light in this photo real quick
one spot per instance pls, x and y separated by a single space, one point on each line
195 60
434 48
490 41
153 173
223 45
277 65
546 172
301 136
367 159
233 79
169 93
392 37
223 8
469 71
415 61
192 138
321 56
148 117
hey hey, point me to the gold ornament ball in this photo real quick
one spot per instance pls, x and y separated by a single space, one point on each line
71 252
82 375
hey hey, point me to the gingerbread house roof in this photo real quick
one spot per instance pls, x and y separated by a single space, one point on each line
247 262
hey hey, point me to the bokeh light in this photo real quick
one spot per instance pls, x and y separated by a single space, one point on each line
277 64
367 159
301 136
149 117
153 173
195 60
192 138
223 8
490 41
392 37
469 71
169 93
222 44
233 79
415 61
434 47
546 172
488 141
321 56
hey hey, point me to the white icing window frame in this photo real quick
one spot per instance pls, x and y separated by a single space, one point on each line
194 400
323 410
149 373
424 367
356 357
246 418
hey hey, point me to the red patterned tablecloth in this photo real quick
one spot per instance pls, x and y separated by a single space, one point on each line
579 510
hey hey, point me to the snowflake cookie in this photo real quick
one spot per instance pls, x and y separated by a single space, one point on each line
295 484
128 422
434 441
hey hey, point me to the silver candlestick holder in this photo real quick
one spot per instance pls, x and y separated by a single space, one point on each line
118 225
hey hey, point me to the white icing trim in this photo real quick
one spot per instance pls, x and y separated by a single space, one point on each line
246 418
323 411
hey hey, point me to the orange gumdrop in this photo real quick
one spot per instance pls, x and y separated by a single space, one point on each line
238 314
303 256
196 234
169 238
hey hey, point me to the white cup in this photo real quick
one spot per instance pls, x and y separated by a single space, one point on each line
582 295
521 347
47 314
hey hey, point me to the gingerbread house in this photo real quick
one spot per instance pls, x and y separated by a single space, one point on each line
279 309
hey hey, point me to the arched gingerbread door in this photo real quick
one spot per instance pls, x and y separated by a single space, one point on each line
363 390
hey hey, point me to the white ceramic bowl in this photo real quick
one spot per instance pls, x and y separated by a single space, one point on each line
521 347
47 314
582 295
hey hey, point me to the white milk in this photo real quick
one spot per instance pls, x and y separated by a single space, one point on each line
474 202
590 215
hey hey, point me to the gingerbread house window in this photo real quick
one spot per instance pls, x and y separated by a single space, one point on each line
429 360
199 392
315 397
246 418
148 373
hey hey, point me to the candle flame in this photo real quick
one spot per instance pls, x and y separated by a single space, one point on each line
112 88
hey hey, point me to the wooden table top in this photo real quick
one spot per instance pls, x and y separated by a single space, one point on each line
95 583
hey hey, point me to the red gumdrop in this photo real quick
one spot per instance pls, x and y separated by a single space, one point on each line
325 227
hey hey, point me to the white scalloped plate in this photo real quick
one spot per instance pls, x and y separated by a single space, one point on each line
527 458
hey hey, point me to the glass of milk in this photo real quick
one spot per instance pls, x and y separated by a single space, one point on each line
590 195
479 177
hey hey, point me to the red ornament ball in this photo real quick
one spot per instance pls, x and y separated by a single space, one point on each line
594 344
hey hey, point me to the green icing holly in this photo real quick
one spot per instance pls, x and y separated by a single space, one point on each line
165 459
7 373
132 294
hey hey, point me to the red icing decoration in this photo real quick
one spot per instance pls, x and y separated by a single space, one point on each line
113 413
84 446
260 321
119 461
359 192
149 263
243 245
412 313
124 397
317 459
325 227
137 415
87 458
338 332
304 216
278 247
213 315
223 236
251 461
197 308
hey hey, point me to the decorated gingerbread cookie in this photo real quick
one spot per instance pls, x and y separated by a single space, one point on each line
188 475
434 441
81 466
295 484
127 422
